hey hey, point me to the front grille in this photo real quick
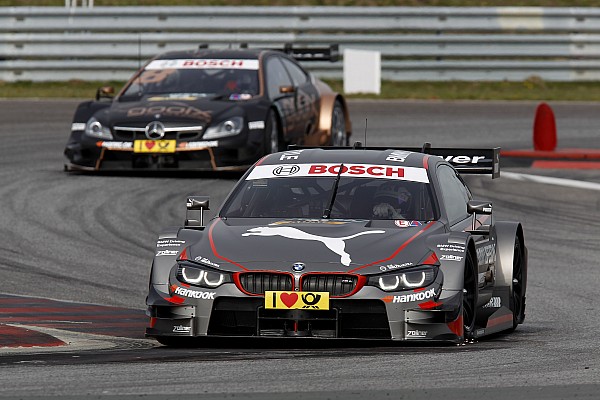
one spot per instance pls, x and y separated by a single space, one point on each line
260 282
335 284
131 133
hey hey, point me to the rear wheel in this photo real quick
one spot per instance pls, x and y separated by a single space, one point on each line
339 135
518 284
272 140
469 297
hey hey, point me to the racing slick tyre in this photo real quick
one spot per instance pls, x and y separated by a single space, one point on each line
469 296
272 140
339 135
519 279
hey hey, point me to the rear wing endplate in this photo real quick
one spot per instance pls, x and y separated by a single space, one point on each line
464 160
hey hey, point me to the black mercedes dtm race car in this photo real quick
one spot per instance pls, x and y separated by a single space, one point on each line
208 109
368 243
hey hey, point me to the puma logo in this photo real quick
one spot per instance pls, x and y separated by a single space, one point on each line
337 245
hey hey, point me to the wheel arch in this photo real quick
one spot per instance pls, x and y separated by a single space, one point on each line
506 232
328 101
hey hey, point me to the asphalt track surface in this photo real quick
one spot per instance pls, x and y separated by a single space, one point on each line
89 239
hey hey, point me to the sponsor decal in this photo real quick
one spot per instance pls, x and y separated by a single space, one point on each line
297 300
115 145
486 254
451 247
416 334
198 145
391 267
182 329
463 159
286 170
195 294
206 261
495 302
169 243
412 174
240 96
450 257
167 253
290 155
311 221
398 156
256 125
203 64
407 298
337 245
175 96
400 223
78 126
170 111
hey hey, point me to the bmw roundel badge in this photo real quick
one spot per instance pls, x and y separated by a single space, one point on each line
298 266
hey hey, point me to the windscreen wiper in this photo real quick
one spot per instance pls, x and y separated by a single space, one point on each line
327 212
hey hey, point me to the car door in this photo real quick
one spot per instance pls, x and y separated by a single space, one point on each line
306 97
280 90
455 195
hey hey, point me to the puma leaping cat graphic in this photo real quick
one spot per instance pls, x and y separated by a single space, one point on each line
337 245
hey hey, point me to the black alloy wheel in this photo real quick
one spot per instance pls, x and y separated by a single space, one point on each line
469 297
272 139
339 136
518 284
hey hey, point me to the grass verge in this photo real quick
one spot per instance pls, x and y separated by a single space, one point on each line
366 3
531 89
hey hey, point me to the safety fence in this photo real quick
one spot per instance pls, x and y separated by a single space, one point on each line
416 43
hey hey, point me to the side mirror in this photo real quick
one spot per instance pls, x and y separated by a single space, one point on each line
479 207
476 207
194 215
287 89
105 92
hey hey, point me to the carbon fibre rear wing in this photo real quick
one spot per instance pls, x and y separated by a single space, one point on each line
331 53
467 160
464 160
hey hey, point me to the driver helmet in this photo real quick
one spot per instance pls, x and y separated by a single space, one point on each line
393 194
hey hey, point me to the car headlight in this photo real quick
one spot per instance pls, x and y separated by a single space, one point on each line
230 127
405 280
202 276
95 129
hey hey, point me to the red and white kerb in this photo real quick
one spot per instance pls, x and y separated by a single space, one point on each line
392 172
202 63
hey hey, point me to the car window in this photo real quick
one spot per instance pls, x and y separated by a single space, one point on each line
298 75
455 194
199 77
276 76
307 197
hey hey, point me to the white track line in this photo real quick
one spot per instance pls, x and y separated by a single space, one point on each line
551 181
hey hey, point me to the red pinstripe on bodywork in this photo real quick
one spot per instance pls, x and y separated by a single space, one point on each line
397 251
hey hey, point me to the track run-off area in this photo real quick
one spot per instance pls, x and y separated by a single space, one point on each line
75 254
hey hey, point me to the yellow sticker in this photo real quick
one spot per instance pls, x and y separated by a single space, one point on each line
297 300
154 146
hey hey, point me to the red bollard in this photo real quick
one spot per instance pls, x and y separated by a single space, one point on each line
544 129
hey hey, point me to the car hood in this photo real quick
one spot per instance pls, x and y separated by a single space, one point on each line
321 245
187 111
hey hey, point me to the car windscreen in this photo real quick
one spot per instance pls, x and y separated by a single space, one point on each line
200 78
309 197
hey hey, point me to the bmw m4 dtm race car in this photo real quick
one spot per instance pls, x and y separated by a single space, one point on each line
367 243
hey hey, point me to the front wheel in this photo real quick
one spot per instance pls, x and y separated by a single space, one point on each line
272 140
339 135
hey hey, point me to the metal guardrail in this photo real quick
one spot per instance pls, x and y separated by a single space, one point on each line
416 43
